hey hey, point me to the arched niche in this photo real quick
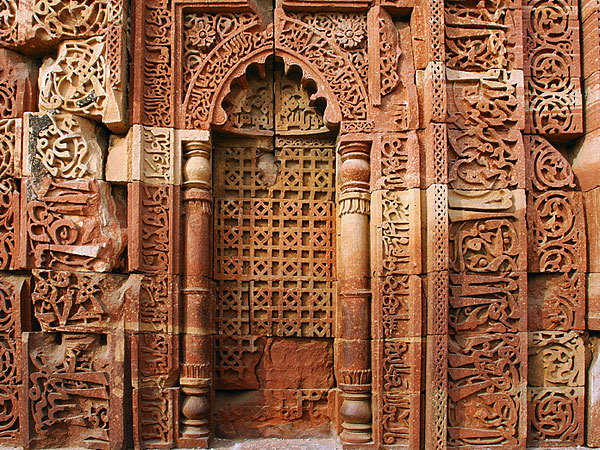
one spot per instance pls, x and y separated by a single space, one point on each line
274 258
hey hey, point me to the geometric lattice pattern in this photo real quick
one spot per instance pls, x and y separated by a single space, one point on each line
274 238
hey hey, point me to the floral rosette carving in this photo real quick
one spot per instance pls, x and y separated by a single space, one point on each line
350 34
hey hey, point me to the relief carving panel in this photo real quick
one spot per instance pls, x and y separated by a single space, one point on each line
69 225
74 390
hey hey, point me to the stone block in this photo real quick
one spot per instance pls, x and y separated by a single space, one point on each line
69 225
487 231
591 200
79 81
485 160
396 391
11 135
592 289
398 365
591 95
14 295
152 48
556 417
18 84
155 417
436 392
154 232
467 28
156 304
79 302
476 398
556 228
484 303
75 390
11 425
547 168
556 359
274 413
62 146
154 360
557 302
590 32
397 420
42 26
12 418
10 224
586 161
145 154
296 363
434 155
486 100
435 228
436 288
554 107
396 240
556 52
395 161
434 94
397 310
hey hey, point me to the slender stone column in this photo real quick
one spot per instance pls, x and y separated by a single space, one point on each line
354 344
198 322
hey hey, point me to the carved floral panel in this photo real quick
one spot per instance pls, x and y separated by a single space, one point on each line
84 79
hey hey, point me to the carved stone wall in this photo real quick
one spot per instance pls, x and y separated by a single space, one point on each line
371 221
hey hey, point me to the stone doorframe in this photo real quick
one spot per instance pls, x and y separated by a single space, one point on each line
352 324
363 111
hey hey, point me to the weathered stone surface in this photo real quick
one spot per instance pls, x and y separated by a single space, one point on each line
476 398
78 302
556 358
75 390
557 301
18 84
145 154
62 146
365 220
69 225
296 364
79 81
282 413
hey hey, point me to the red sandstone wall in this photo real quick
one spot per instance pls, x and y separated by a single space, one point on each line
375 220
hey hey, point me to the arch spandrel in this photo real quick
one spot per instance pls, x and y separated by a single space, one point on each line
321 59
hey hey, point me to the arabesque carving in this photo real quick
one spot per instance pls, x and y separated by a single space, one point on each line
358 221
69 225
81 80
64 146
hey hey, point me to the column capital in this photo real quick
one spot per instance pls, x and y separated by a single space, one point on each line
197 166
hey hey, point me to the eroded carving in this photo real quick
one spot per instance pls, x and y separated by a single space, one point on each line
69 225
486 394
63 146
71 390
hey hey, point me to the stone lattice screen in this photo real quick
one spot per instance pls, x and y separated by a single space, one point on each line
374 220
